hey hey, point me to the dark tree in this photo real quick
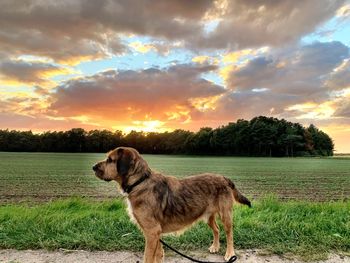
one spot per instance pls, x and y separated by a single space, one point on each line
261 136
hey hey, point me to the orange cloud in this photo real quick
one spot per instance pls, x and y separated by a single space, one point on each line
40 123
205 104
149 98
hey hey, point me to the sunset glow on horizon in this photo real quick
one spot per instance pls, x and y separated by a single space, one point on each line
165 65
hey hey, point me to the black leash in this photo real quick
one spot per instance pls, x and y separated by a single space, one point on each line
232 259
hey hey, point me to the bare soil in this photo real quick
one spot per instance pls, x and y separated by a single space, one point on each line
81 256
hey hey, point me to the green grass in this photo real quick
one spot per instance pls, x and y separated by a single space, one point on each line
307 230
46 176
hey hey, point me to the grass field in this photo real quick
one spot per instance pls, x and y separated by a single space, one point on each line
308 230
45 176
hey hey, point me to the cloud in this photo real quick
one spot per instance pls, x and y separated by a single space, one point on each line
160 47
142 48
310 110
63 49
294 83
344 11
236 56
265 23
25 105
30 113
206 60
342 104
247 104
30 72
40 123
343 110
169 94
339 79
301 72
73 31
276 83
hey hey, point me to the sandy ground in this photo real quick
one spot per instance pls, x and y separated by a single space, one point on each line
80 256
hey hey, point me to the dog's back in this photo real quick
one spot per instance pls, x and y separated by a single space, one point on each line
185 201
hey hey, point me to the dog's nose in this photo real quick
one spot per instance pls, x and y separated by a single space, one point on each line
95 167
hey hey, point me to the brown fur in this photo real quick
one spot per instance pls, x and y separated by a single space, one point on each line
163 204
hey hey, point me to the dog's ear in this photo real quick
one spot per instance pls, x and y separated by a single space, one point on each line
125 161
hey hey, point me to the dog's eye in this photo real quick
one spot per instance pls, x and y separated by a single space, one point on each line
109 160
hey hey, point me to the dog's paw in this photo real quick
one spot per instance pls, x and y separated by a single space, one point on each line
228 255
214 249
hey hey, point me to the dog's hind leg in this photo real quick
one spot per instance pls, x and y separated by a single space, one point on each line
216 243
226 218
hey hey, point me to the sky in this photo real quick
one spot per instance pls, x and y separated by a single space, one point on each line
174 64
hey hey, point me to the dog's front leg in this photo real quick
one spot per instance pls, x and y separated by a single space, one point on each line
160 253
153 248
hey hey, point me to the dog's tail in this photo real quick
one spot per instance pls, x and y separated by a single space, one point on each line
237 194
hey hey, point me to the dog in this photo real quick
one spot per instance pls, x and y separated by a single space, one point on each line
163 204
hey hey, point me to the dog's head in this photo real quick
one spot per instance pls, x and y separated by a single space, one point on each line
120 164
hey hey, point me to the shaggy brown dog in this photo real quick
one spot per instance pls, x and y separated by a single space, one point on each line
163 204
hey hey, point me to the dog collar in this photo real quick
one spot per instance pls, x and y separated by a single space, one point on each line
127 189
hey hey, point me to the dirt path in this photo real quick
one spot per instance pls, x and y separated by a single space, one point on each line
79 256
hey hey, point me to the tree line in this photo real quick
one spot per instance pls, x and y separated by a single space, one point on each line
261 136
